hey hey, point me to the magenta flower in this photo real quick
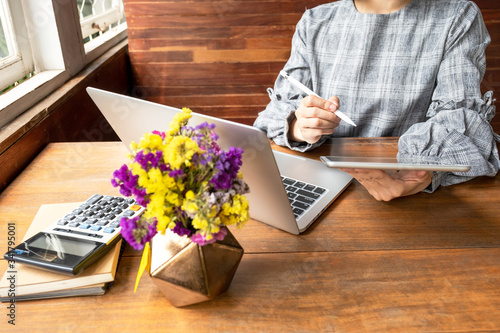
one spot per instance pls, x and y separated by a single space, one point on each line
201 240
137 232
124 179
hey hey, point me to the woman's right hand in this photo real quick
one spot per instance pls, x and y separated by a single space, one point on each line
314 118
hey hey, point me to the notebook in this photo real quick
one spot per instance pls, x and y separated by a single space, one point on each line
263 168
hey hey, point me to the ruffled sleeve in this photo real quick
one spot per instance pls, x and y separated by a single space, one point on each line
459 132
458 129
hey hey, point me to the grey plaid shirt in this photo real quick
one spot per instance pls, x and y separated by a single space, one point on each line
415 73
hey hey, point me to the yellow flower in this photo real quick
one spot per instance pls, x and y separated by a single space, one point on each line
235 213
173 198
213 212
150 141
213 227
189 204
156 202
180 120
180 151
163 223
155 179
169 182
180 185
200 223
208 223
141 173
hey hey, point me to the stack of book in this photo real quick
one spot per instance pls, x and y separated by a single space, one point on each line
23 282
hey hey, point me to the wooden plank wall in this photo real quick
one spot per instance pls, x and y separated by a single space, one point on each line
218 57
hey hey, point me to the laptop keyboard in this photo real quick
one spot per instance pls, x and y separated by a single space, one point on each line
301 195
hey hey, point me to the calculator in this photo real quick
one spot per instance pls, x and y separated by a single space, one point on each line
79 238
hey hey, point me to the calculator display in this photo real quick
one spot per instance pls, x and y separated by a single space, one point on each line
60 246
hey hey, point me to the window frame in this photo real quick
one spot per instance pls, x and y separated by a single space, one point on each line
21 60
52 71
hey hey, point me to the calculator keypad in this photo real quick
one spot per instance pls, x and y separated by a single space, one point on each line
98 218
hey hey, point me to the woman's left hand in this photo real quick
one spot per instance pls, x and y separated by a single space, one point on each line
384 186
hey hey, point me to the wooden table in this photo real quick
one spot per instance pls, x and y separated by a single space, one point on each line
429 262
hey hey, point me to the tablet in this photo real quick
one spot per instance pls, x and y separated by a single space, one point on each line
387 163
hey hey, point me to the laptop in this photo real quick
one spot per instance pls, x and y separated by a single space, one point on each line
277 181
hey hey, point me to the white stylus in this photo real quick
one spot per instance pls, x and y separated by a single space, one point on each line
310 92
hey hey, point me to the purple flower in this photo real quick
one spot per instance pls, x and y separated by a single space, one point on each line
127 181
137 232
149 160
124 179
141 196
228 165
180 230
201 240
176 173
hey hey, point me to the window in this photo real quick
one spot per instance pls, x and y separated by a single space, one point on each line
52 40
98 19
6 36
15 55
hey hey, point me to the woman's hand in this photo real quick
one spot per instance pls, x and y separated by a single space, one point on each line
314 117
384 186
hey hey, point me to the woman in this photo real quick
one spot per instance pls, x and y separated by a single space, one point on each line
408 68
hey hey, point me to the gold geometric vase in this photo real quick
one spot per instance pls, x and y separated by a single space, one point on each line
188 273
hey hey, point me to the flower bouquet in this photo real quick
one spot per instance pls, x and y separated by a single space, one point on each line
186 183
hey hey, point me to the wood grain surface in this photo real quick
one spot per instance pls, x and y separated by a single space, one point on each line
429 262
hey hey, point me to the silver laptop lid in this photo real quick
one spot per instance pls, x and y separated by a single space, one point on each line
131 118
